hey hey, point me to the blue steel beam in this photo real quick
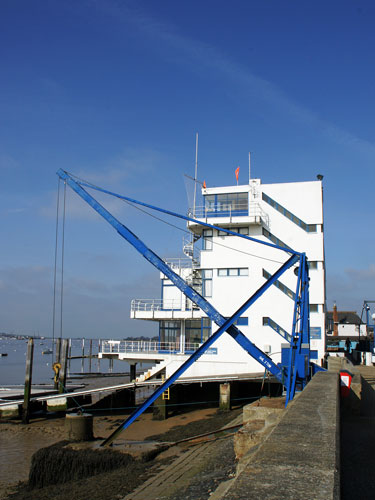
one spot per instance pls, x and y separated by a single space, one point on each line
225 325
292 351
192 294
300 332
81 182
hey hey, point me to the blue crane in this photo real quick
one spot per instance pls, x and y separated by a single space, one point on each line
295 368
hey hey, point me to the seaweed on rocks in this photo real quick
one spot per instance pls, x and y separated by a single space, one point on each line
59 464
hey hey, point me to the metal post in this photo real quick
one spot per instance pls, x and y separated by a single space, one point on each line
28 379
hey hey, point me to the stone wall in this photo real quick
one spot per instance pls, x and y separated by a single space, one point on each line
300 458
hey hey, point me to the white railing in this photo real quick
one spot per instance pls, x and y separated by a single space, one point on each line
178 263
219 210
253 210
157 305
144 346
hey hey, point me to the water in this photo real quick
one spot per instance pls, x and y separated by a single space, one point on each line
13 366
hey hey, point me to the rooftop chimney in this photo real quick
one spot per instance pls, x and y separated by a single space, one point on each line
335 321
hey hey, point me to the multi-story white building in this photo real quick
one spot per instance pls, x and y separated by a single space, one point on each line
227 270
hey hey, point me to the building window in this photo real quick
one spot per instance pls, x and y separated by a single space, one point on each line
207 282
197 331
193 331
313 264
233 271
314 308
310 228
239 230
226 205
206 329
273 238
169 332
207 239
280 285
243 321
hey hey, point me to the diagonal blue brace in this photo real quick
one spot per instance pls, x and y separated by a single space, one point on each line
180 216
224 324
227 326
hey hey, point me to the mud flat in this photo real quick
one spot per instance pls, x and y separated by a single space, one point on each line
19 442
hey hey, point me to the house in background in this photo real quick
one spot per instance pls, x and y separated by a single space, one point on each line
344 324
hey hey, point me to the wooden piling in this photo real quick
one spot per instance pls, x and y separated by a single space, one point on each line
69 354
58 350
57 358
28 380
83 356
224 404
98 359
64 362
133 371
90 355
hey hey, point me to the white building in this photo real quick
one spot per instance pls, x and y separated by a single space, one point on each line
227 271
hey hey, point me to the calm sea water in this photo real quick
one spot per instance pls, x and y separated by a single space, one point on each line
13 366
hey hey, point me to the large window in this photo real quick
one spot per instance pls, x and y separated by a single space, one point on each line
197 331
207 282
193 331
224 205
169 331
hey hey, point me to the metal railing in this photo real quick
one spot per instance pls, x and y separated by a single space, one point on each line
178 262
145 347
253 209
158 305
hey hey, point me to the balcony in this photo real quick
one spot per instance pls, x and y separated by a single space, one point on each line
227 213
156 309
146 348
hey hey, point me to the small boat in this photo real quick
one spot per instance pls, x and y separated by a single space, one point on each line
47 351
3 354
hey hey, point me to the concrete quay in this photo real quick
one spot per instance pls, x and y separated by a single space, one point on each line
319 448
300 459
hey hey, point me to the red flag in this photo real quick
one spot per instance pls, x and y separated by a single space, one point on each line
204 184
237 171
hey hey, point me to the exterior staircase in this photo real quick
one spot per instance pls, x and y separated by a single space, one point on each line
160 365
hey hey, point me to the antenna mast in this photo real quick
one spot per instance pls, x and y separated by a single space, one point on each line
196 172
249 166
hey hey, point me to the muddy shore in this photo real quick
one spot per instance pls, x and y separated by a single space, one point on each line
19 442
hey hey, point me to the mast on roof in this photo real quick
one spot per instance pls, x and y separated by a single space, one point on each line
196 173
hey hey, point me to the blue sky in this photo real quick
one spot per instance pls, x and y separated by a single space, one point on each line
114 91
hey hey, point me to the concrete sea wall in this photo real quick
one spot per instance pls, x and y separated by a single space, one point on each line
300 458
